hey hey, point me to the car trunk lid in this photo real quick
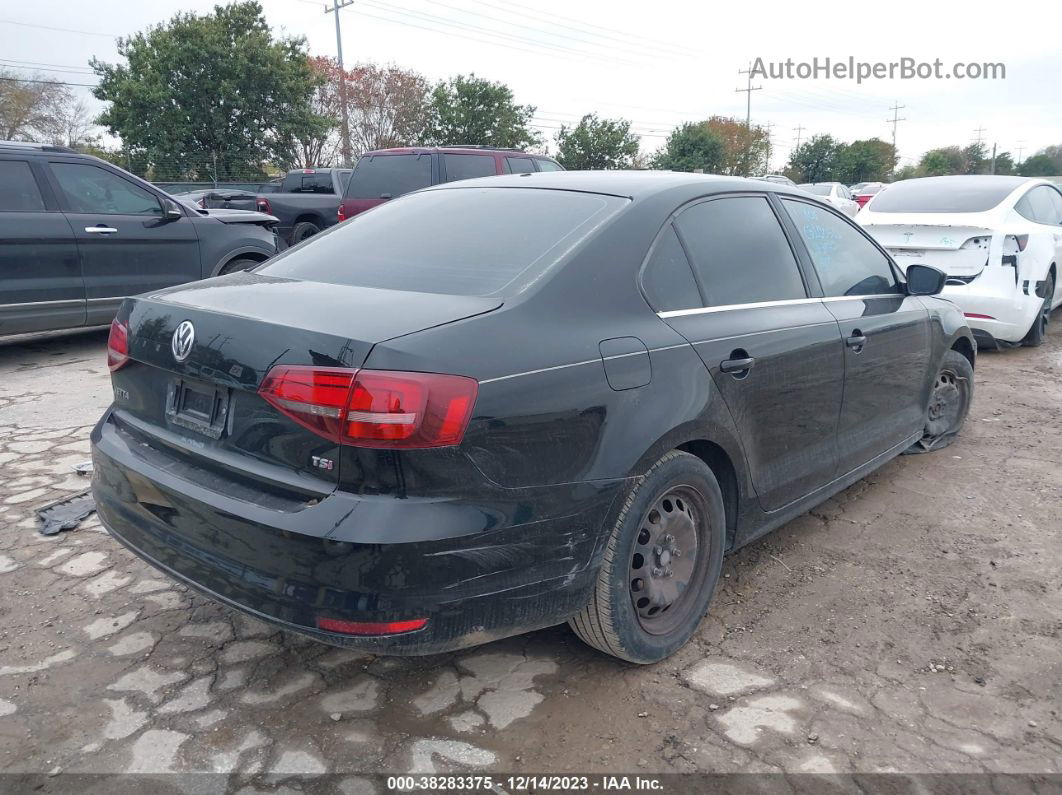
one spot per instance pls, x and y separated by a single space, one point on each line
203 408
958 250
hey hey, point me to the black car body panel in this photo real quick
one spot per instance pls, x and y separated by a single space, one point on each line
582 386
69 258
306 196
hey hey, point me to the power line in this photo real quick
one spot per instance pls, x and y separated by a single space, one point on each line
47 82
61 30
57 67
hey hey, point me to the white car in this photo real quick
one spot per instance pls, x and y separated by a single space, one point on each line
835 194
998 238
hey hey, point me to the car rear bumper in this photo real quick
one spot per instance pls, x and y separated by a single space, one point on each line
994 305
508 568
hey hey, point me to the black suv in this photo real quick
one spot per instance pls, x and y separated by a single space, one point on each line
80 234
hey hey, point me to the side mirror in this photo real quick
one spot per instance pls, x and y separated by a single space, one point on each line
385 196
170 210
925 280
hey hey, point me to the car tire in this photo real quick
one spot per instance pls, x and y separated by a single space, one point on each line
629 615
238 264
303 230
1038 330
949 403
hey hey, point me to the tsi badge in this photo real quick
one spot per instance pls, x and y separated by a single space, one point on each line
322 463
183 339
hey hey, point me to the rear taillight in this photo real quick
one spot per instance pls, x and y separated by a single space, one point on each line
202 202
977 316
370 627
117 346
263 205
374 408
1012 244
341 214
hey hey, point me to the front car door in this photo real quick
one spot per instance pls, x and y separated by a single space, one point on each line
40 273
886 334
127 245
772 348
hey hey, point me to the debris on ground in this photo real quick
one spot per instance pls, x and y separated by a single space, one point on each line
66 514
84 468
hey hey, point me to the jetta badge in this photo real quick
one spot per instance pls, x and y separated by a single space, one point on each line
183 339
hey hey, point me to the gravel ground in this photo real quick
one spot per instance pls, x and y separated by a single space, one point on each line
911 624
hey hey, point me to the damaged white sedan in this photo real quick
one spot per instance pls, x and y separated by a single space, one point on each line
998 238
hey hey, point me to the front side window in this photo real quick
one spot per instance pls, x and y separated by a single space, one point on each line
91 189
377 176
667 279
739 252
847 263
18 188
468 166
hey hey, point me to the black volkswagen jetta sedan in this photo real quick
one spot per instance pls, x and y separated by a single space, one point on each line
501 404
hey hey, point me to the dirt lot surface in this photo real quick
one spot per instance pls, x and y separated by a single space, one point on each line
913 623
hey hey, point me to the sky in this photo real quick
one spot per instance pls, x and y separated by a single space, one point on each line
657 64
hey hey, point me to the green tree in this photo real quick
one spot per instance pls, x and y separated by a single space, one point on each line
869 160
1038 165
942 161
1004 163
474 111
909 171
693 146
214 95
815 160
597 144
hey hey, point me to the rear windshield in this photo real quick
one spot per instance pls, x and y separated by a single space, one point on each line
389 175
470 241
945 195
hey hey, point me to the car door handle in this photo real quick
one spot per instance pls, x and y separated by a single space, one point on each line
100 230
737 365
857 341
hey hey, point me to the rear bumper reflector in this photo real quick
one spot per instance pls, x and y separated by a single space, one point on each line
370 627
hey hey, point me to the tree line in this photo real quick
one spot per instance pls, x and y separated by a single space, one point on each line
218 96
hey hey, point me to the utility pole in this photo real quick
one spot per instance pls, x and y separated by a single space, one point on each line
344 122
1021 148
992 167
747 91
770 144
980 131
896 108
798 130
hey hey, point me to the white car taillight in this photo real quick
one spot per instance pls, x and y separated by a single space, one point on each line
1012 244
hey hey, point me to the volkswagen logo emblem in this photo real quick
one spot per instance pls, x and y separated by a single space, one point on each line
183 339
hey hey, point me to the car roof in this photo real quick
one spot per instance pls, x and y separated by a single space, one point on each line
467 150
27 146
629 184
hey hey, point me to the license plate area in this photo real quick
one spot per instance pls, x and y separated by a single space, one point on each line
198 406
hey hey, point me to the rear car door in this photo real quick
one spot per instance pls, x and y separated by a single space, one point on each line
40 273
885 331
772 348
127 246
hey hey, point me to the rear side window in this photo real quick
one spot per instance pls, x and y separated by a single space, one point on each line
1042 205
390 175
519 165
18 188
91 189
472 241
739 252
667 279
548 165
468 166
847 263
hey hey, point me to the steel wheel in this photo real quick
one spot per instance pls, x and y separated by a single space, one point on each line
946 404
666 558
